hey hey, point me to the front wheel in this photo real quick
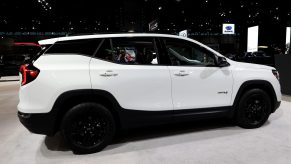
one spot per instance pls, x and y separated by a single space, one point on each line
88 128
253 109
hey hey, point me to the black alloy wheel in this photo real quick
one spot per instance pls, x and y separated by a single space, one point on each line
88 131
88 128
253 109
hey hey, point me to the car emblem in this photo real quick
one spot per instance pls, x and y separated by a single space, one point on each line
228 28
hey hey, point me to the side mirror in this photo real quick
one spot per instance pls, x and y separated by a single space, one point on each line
222 62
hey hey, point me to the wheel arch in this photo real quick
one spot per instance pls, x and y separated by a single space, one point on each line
71 98
260 84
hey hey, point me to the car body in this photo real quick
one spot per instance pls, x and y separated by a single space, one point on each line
137 79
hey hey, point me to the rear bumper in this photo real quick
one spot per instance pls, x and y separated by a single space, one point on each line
43 123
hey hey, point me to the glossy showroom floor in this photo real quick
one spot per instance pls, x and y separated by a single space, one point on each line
215 141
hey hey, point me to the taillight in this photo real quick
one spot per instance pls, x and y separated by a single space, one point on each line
28 73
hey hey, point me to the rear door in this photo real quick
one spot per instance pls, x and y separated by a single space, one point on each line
129 68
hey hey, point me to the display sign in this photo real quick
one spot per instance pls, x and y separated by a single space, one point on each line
228 28
253 39
183 33
288 40
153 25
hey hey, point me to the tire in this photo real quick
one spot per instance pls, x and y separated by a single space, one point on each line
253 109
88 128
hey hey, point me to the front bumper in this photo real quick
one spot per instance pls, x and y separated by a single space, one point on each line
44 123
276 106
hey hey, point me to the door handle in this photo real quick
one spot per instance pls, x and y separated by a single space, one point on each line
108 73
182 73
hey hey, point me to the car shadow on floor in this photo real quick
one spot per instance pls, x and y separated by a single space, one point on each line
144 134
153 138
56 143
151 132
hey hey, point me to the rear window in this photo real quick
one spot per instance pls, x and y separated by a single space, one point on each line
83 47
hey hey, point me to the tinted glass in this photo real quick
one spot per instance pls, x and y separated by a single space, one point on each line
83 47
137 50
182 52
42 51
105 51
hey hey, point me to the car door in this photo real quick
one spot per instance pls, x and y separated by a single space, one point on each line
128 68
197 82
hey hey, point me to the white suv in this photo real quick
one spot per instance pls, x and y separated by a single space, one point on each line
88 87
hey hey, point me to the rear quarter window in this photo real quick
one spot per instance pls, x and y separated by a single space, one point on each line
44 48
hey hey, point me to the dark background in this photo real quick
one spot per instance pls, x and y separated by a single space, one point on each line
203 18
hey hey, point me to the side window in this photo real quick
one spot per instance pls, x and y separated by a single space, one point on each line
182 52
137 50
105 52
84 47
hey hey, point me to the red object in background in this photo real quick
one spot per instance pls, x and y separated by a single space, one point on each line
26 43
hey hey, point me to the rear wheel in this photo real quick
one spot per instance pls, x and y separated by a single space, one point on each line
88 128
253 109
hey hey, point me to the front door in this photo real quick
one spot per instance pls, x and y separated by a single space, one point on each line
197 82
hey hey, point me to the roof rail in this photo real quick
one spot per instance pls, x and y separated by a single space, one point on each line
96 33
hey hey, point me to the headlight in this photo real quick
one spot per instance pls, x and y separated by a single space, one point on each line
276 74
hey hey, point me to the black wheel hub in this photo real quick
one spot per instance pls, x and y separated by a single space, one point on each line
255 109
88 131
